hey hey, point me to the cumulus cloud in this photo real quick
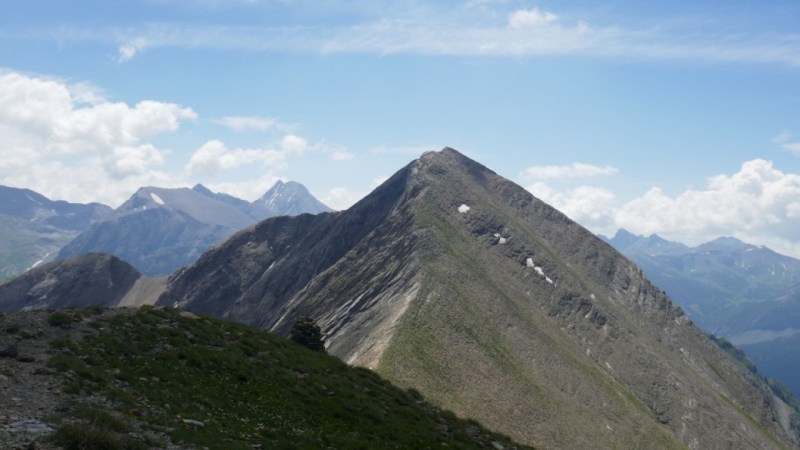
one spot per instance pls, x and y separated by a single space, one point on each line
214 156
68 141
758 204
574 170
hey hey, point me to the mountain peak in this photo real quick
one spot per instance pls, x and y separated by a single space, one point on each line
287 198
450 275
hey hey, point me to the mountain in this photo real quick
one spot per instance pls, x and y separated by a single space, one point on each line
164 378
286 199
456 282
87 280
159 230
33 228
747 294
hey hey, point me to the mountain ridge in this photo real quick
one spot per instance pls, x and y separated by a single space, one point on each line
33 228
466 287
159 230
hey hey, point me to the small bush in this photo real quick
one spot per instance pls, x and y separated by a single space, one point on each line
90 437
59 319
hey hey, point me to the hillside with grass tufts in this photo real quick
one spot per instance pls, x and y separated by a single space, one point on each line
165 378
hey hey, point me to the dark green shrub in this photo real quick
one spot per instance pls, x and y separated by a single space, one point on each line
59 319
91 437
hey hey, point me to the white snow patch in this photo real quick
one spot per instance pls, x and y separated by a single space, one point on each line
500 239
32 199
463 208
157 199
39 261
529 263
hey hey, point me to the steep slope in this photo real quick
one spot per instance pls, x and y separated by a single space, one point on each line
159 230
33 228
91 279
454 281
747 294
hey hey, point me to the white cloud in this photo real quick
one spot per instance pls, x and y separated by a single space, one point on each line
342 155
294 145
758 204
590 206
247 189
574 170
246 123
214 156
495 31
525 18
68 141
340 198
784 139
129 50
793 147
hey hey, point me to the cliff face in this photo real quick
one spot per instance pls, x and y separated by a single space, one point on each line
459 283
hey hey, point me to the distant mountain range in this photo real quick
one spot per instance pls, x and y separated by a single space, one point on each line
33 228
747 294
458 283
159 230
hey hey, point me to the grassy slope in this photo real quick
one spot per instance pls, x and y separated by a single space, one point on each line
154 368
451 317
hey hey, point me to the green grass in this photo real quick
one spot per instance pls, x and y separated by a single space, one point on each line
247 387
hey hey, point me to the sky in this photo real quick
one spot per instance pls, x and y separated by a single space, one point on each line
678 118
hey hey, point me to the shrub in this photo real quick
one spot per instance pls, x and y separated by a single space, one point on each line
59 319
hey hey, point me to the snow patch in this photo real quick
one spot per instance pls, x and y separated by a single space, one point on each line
538 269
463 208
39 261
500 239
157 199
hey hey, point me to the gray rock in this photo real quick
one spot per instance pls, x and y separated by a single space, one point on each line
31 426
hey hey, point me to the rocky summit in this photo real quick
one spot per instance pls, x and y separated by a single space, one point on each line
456 282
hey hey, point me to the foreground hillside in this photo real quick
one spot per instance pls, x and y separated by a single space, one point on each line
160 378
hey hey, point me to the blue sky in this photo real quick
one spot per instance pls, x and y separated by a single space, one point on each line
678 118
